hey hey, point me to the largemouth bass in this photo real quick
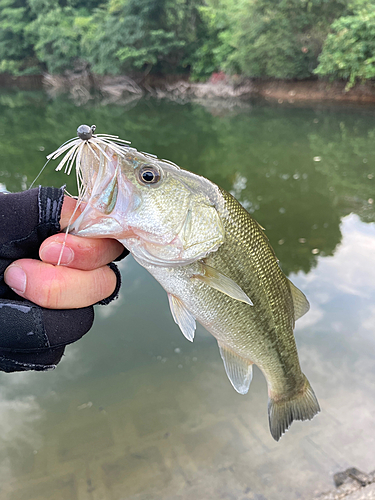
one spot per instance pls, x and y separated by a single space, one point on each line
211 257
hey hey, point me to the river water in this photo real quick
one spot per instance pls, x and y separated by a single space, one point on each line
135 411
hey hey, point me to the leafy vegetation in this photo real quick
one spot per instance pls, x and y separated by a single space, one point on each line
349 51
158 35
280 39
15 51
255 38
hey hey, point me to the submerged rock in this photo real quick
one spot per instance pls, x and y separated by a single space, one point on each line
351 484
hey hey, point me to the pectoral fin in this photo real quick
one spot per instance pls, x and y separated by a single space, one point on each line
301 304
215 279
239 370
182 316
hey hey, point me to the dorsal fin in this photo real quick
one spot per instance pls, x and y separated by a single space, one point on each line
301 304
238 369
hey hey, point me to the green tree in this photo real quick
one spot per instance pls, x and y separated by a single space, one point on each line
278 38
213 49
55 38
157 35
16 52
349 51
42 34
256 38
57 30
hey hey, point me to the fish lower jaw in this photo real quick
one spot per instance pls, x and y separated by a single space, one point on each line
106 227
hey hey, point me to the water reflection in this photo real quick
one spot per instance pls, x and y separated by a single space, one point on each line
134 410
341 288
273 149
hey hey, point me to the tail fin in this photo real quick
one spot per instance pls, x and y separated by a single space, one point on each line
282 412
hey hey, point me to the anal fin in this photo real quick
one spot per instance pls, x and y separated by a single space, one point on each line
301 304
182 316
213 278
238 369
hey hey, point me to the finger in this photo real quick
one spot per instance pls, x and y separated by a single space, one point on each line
68 209
58 287
79 253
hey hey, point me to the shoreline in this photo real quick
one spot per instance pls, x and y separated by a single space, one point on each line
82 85
315 90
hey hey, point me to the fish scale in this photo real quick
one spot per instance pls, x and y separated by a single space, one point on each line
262 333
269 320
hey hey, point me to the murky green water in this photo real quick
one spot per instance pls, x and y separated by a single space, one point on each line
134 411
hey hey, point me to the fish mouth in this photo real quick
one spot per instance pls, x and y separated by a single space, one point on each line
104 215
92 223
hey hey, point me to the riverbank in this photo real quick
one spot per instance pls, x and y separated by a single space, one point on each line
317 90
219 86
83 86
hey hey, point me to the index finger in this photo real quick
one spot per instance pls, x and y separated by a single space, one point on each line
78 252
75 251
68 209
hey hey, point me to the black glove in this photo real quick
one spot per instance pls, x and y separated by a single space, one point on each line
31 337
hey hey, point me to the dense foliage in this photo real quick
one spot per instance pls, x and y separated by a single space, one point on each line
349 51
143 35
255 38
279 38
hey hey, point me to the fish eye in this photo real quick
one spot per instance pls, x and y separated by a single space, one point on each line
148 174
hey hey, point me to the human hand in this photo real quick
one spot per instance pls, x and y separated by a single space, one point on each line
34 337
82 279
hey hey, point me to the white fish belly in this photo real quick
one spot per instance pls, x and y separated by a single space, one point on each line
230 321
